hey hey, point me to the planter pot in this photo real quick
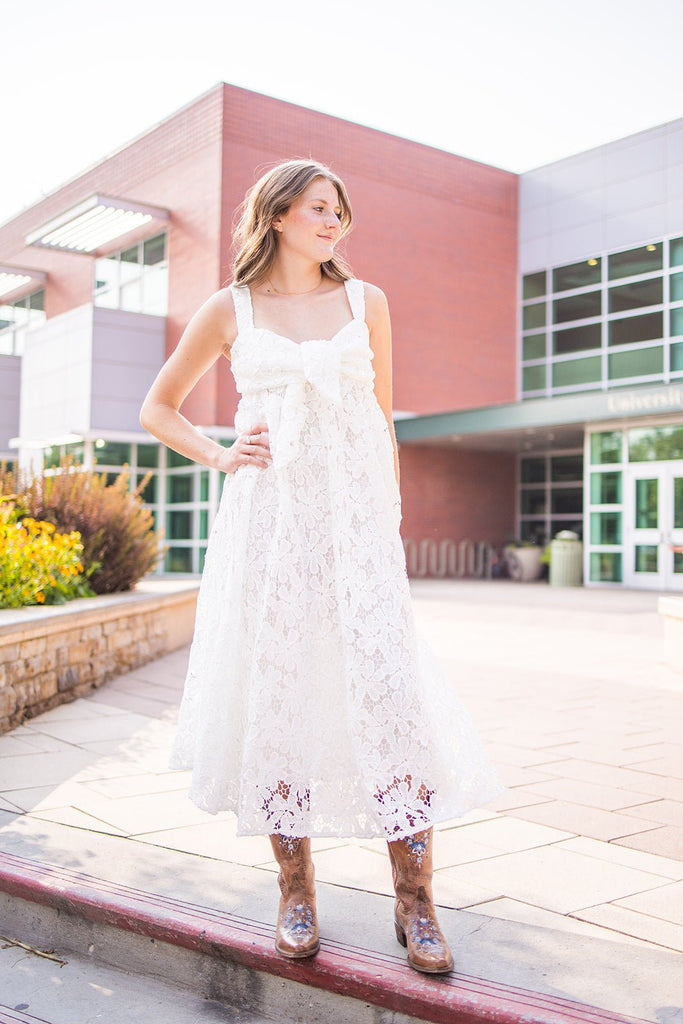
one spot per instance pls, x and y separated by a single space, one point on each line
524 564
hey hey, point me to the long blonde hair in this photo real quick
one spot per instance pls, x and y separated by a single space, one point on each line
254 238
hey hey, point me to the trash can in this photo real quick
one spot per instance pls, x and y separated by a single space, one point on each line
566 560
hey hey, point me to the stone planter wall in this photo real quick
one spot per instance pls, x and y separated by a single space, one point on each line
52 655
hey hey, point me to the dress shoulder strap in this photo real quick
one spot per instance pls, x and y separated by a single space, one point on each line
244 313
355 290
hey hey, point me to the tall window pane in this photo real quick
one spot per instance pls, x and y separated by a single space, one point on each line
576 275
577 339
643 362
636 294
533 346
676 252
677 287
533 285
676 322
606 447
533 378
631 329
533 316
577 371
644 260
577 307
606 488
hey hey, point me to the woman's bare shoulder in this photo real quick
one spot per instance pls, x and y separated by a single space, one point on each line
376 305
216 318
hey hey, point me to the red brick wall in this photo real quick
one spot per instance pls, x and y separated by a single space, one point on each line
449 492
437 232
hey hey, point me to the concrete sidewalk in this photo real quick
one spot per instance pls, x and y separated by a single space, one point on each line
571 884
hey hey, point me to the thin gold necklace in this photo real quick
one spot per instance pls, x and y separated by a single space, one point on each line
278 292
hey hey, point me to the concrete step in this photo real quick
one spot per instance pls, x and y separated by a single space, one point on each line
80 990
153 930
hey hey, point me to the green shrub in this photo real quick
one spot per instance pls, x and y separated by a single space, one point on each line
117 531
38 565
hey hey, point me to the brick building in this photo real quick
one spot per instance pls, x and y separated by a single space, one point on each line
508 358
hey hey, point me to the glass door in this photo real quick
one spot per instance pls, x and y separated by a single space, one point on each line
654 526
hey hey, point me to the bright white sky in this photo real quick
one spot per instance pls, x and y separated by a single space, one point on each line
515 83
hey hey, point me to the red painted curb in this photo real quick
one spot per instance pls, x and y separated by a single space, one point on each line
372 977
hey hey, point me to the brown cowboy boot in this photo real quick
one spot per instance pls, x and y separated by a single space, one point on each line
414 916
296 934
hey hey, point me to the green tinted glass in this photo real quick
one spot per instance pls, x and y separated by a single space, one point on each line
606 528
678 503
643 260
676 252
606 447
577 371
533 316
654 444
112 453
175 459
179 488
606 488
533 285
644 362
605 567
576 275
676 287
179 525
148 456
533 346
676 321
647 558
647 504
178 560
533 378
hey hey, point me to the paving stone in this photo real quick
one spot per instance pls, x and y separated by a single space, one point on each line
556 879
665 902
588 795
631 922
665 841
584 821
613 853
512 910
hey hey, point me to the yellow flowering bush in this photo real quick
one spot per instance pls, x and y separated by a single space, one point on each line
38 565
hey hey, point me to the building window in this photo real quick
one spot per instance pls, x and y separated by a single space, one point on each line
550 495
134 279
623 312
17 318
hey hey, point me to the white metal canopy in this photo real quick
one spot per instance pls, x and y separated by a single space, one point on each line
93 223
19 279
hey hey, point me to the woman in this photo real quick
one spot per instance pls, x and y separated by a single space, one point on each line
310 709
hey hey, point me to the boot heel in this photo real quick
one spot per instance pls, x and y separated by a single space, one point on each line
400 934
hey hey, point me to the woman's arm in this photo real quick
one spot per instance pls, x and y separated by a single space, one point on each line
209 334
379 324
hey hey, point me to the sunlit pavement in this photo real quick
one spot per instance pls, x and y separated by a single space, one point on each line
584 852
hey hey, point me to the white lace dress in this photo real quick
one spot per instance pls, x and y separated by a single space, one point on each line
310 708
